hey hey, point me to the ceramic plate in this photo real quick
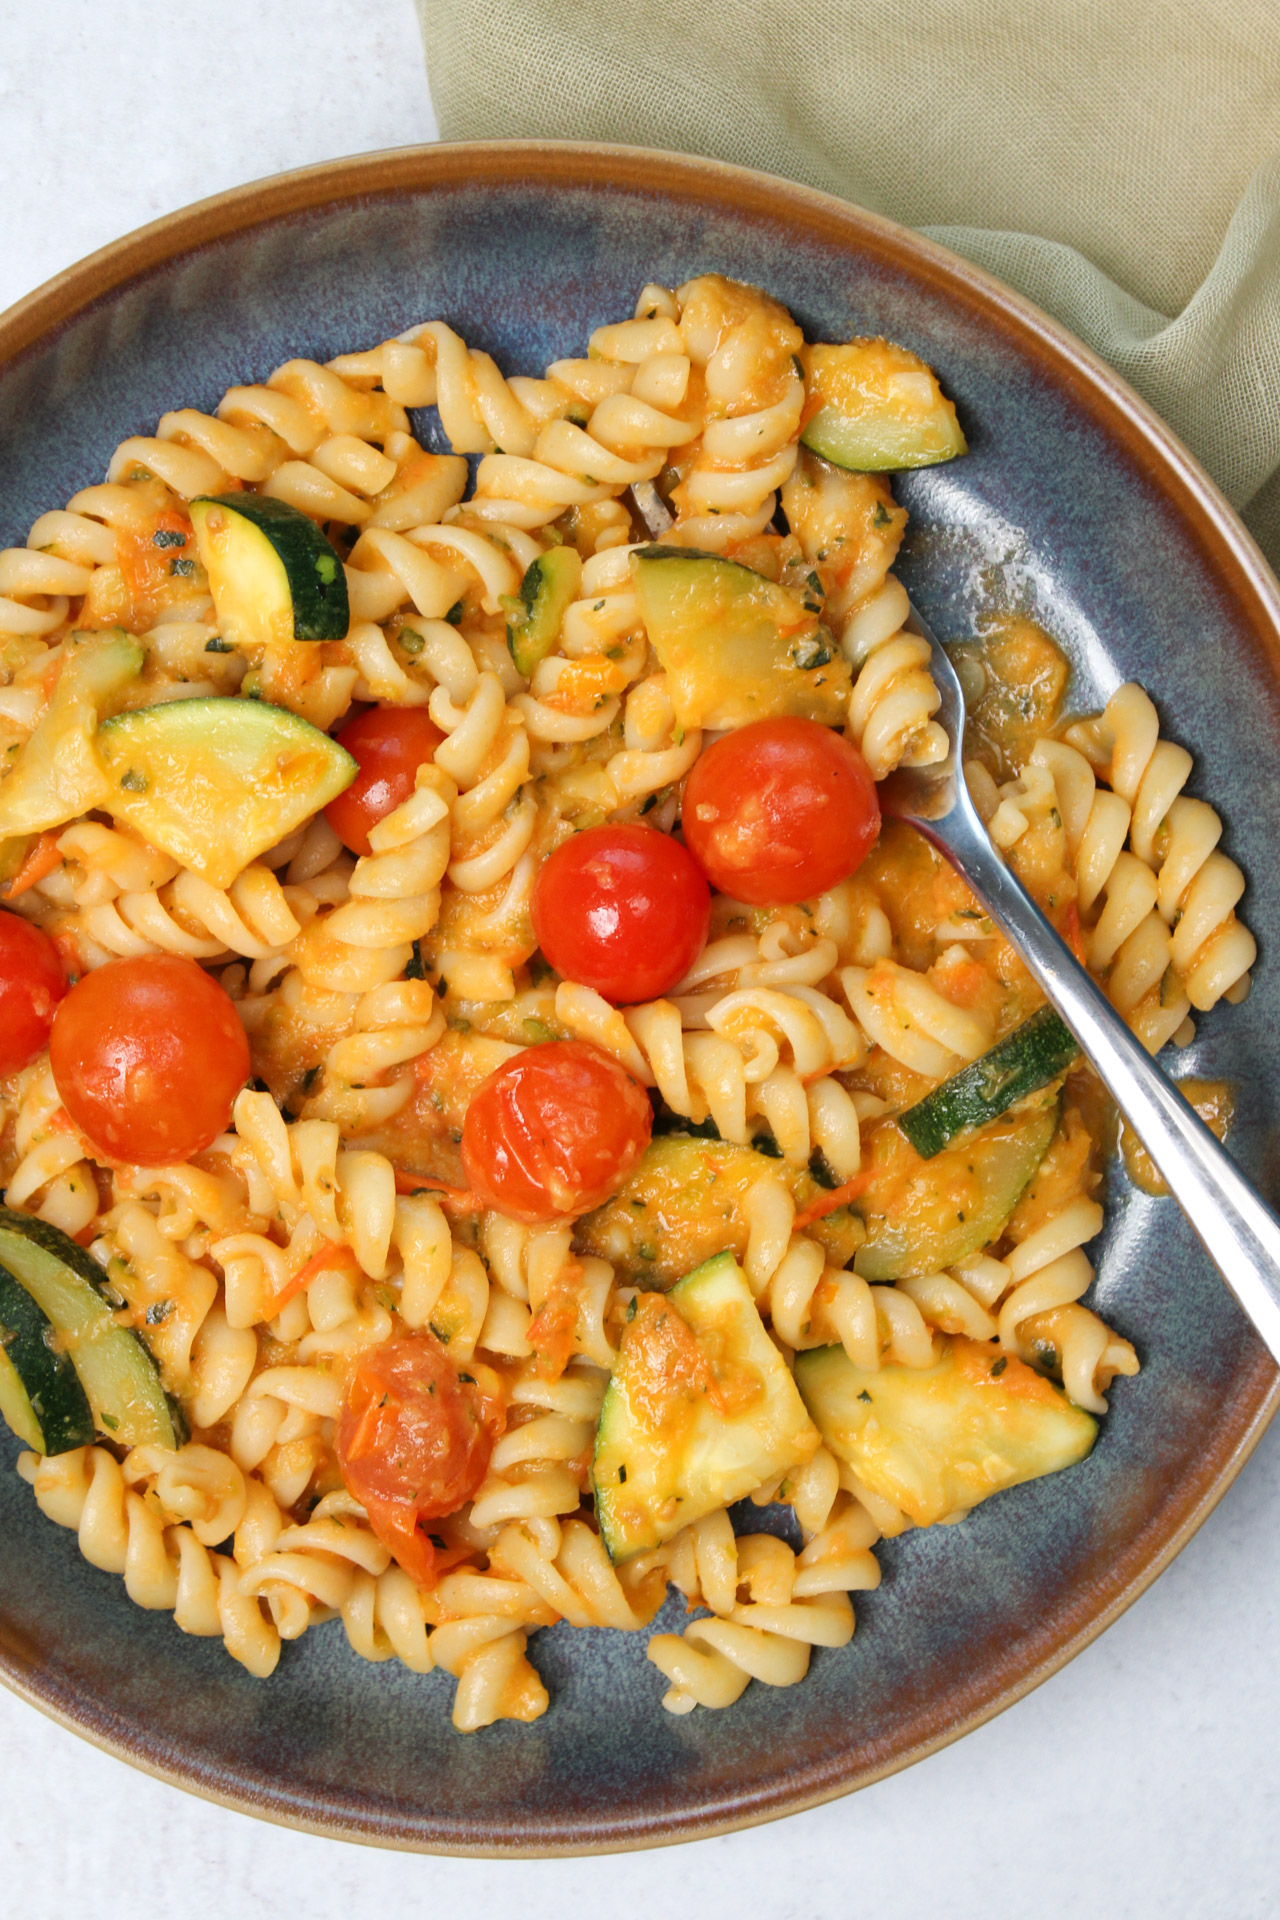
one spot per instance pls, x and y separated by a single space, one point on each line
1075 506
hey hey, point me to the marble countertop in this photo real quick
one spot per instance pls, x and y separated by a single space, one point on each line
1142 1780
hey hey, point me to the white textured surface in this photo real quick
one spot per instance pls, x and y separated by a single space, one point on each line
1142 1781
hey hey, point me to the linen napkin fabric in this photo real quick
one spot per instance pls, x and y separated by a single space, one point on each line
1118 164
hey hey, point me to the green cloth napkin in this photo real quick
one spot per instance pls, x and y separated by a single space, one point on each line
1118 163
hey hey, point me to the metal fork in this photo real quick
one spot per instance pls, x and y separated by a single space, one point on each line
1239 1231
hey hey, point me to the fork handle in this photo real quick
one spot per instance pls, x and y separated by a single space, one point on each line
1238 1230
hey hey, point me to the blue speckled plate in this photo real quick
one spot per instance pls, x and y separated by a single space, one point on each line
1074 505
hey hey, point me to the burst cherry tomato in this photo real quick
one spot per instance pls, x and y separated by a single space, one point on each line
780 811
31 984
148 1055
413 1442
389 744
621 909
554 1132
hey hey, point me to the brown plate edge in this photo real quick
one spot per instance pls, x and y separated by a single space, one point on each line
1228 547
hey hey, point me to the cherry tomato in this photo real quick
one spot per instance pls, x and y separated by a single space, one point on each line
31 984
621 909
413 1442
553 1132
148 1055
780 811
389 744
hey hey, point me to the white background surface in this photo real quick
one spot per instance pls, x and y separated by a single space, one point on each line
1141 1781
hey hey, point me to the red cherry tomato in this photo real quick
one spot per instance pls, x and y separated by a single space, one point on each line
554 1132
389 744
621 909
148 1055
780 811
31 984
413 1443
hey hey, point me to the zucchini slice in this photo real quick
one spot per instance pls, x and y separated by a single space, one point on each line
217 781
40 1394
272 573
878 408
937 1440
1027 1059
701 1410
683 1204
920 1216
736 647
58 774
534 616
120 1379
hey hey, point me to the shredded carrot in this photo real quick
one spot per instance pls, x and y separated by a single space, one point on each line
830 1202
40 860
1072 934
452 1199
331 1256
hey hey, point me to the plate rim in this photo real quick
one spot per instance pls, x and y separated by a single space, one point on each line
1230 552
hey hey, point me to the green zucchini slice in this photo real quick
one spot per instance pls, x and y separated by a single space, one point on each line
683 1204
120 1379
40 1393
937 1440
272 573
921 1216
217 781
878 408
665 1455
736 647
534 616
58 774
1027 1059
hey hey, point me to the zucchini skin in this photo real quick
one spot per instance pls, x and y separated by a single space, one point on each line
59 1411
153 1417
313 570
1024 1061
550 584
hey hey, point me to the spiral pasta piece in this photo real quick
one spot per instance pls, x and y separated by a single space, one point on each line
1175 838
766 1636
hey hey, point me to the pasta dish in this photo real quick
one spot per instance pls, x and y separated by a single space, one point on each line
483 1093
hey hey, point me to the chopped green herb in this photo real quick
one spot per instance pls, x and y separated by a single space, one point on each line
999 1367
864 1395
411 642
218 646
416 968
183 568
132 781
158 1312
454 615
168 537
